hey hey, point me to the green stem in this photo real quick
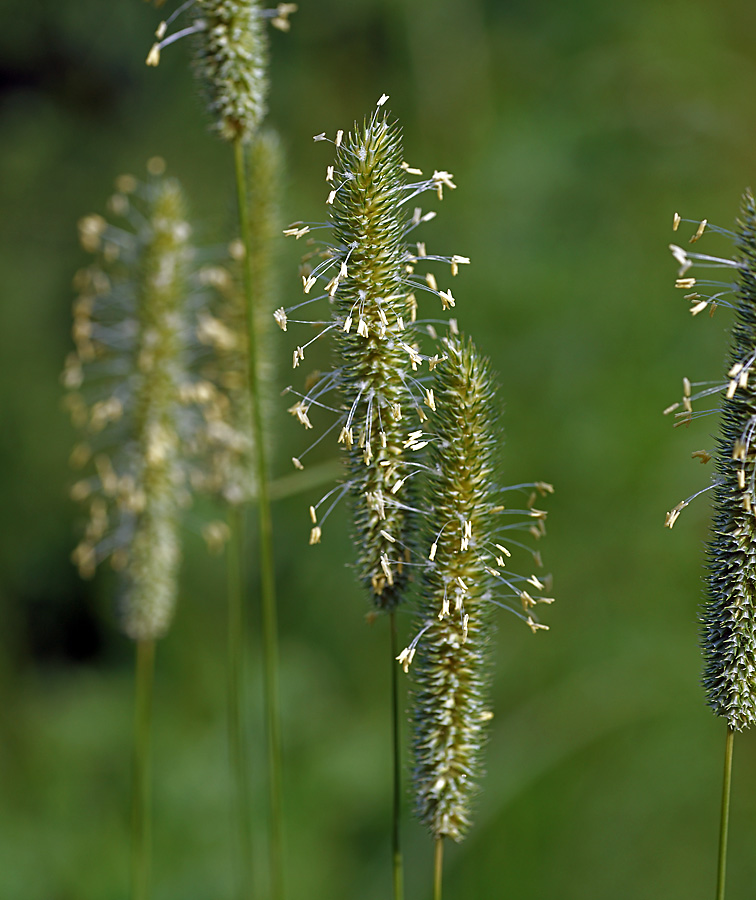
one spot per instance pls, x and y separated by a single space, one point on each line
236 732
141 813
267 580
725 818
438 868
396 846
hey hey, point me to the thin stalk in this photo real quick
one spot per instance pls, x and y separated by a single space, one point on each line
236 732
438 868
396 846
725 817
267 580
141 813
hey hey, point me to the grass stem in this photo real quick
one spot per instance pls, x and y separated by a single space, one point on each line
141 815
396 845
267 578
438 868
236 732
725 817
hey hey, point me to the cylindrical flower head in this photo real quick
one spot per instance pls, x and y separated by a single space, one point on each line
457 592
130 332
368 276
231 62
451 673
729 615
370 304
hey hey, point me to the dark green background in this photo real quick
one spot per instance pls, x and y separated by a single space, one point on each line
574 130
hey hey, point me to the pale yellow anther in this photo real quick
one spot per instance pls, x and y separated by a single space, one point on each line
686 387
743 379
465 623
682 258
329 173
538 585
295 232
160 31
398 486
280 316
444 608
313 515
320 137
502 549
699 231
405 658
382 99
362 328
331 197
153 57
731 388
347 324
685 283
447 301
441 179
433 549
308 282
741 479
676 222
461 584
299 409
429 399
670 409
387 569
315 535
457 261
421 249
390 538
339 137
536 626
673 515
410 170
699 307
430 280
703 455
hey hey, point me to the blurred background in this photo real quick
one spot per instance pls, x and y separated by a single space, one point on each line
574 131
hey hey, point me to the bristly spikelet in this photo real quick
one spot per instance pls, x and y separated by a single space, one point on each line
129 393
369 227
729 615
368 276
231 62
457 591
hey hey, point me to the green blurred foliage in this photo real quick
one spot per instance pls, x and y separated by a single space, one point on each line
574 130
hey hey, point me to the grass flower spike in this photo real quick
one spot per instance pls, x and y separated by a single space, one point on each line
130 394
728 634
368 277
462 584
231 59
729 614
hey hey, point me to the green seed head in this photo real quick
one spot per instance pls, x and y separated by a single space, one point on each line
461 579
368 276
231 61
125 384
729 615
